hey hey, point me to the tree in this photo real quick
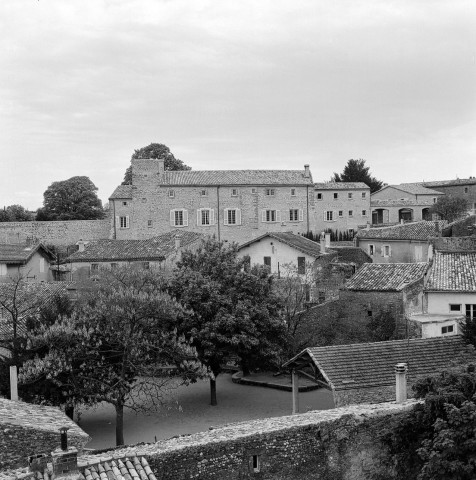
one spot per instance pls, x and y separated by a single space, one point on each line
15 213
155 150
114 348
72 199
356 171
450 207
230 312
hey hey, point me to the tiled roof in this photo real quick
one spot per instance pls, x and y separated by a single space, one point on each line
416 189
452 272
122 191
348 254
341 186
386 276
156 248
21 252
376 202
362 365
448 183
298 242
408 231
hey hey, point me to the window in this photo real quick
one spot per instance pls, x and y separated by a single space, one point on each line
179 218
465 189
319 196
369 313
454 307
341 213
307 293
255 463
270 192
301 265
205 216
351 213
123 222
329 216
386 251
447 329
267 262
364 194
171 193
295 215
149 223
336 195
293 192
234 192
470 310
3 269
146 265
124 203
114 265
371 249
254 190
364 213
232 216
271 216
434 199
94 267
349 195
203 193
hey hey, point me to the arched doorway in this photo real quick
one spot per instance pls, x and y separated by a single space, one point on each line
405 214
425 214
379 215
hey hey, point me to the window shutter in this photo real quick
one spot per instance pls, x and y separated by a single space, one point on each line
225 216
263 215
301 215
238 216
389 251
172 218
325 215
382 250
212 216
118 222
278 215
199 216
185 218
127 221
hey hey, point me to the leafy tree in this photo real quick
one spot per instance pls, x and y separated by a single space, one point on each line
15 213
114 348
450 207
72 199
231 311
356 171
155 150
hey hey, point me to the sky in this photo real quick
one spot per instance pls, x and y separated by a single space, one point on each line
227 84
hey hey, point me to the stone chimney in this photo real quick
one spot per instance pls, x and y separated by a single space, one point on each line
80 245
178 242
322 242
307 173
401 382
64 459
430 253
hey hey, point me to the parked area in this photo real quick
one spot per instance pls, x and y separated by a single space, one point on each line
193 413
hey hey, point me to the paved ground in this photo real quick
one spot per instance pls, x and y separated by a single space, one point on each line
235 403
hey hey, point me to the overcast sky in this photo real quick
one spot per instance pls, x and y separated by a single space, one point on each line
235 84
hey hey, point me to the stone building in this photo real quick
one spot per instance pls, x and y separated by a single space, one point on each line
232 205
341 206
464 187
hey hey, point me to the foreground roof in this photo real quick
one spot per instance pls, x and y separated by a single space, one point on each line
392 277
21 252
341 186
350 254
156 248
363 365
303 244
453 272
407 231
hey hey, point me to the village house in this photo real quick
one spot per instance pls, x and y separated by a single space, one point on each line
341 206
402 243
31 261
158 252
232 205
408 202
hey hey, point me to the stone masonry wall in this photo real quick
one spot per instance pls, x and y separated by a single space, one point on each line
335 444
55 233
454 244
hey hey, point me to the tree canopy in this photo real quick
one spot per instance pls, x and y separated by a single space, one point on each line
356 171
450 207
230 312
155 150
16 213
72 199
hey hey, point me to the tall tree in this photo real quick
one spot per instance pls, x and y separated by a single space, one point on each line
356 171
450 207
16 213
155 150
72 199
230 312
115 348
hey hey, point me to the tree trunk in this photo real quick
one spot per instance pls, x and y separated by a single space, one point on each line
119 424
69 410
213 391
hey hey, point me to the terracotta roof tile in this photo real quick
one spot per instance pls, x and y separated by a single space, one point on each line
386 276
122 191
407 231
341 186
21 252
416 189
452 272
447 183
348 254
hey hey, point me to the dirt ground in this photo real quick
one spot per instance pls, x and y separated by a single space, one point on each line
236 403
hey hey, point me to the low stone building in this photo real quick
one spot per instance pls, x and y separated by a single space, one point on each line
464 187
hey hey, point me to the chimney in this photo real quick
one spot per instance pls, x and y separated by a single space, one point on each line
177 241
80 245
38 463
307 174
322 242
401 382
161 166
328 240
430 253
64 459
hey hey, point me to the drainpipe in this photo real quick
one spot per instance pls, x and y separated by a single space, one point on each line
218 212
307 207
401 382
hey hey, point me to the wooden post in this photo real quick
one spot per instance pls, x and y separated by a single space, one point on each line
13 383
295 383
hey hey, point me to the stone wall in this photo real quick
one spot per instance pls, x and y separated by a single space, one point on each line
55 233
454 244
336 444
27 429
